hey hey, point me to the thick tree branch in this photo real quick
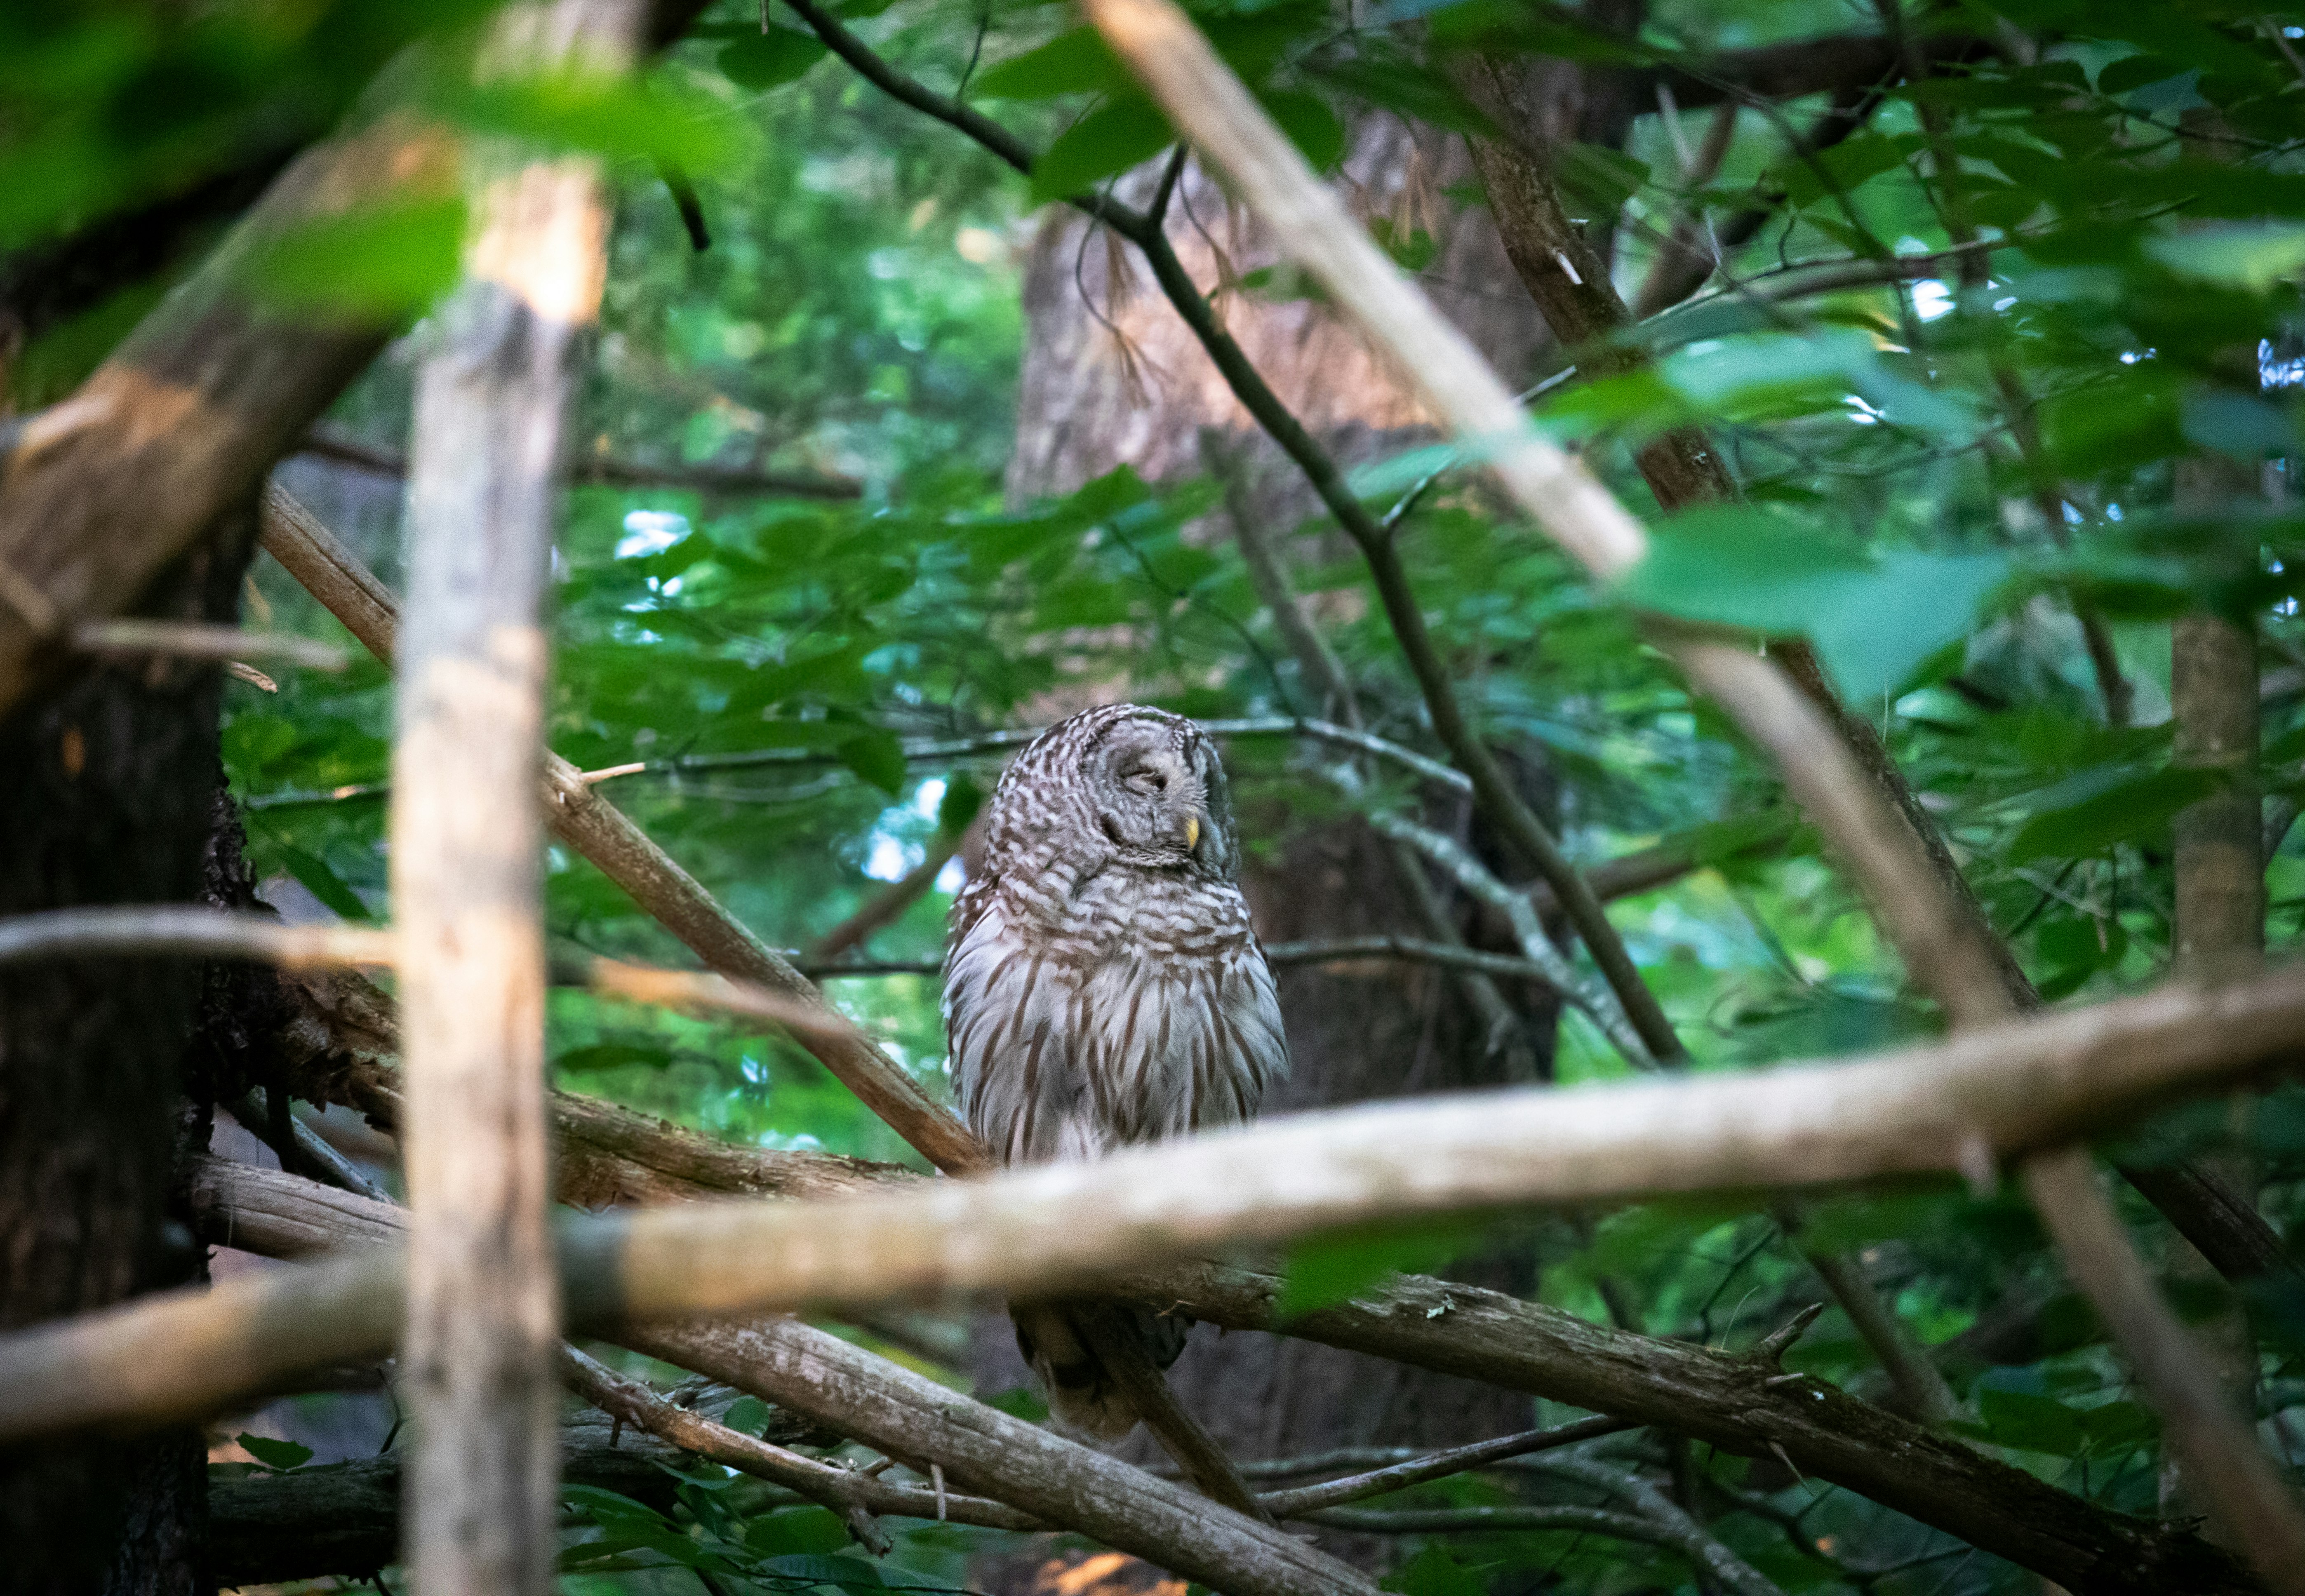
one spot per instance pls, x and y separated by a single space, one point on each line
1955 1106
1735 1402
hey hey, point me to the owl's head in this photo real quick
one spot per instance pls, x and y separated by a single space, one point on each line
1149 782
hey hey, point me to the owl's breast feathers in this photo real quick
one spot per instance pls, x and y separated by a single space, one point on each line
1089 1012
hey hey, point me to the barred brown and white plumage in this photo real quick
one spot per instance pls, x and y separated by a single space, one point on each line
1102 984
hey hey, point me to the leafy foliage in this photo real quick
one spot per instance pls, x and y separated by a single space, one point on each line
1977 479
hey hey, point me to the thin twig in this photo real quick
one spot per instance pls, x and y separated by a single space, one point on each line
191 639
197 932
1438 1466
1598 1004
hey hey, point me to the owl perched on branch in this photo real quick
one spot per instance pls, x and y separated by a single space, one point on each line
1103 986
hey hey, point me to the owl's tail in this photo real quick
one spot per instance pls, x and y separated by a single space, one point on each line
1084 1395
1101 1364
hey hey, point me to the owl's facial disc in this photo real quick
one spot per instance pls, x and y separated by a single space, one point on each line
1151 800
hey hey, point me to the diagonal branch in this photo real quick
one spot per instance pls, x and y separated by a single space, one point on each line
600 831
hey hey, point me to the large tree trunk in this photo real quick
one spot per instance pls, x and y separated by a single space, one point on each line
111 780
1113 377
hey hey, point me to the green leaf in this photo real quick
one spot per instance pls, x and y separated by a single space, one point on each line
1432 1572
1076 63
277 1455
959 806
2092 811
1598 180
749 1415
878 757
386 261
1329 1269
1018 1402
322 882
2253 256
1104 143
1874 619
2240 425
609 1055
765 60
1311 126
2031 1423
844 1574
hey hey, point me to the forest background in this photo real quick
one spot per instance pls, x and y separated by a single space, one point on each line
1960 342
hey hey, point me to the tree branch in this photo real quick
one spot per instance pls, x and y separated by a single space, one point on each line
1438 1466
1050 1229
1735 1402
1535 947
596 828
730 482
478 1342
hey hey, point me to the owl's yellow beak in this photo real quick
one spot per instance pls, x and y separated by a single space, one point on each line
1191 832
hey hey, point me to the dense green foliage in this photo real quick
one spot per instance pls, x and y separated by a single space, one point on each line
1943 470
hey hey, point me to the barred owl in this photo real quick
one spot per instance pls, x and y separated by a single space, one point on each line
1103 986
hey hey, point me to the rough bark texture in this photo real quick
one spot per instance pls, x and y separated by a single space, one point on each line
110 782
1111 377
481 1336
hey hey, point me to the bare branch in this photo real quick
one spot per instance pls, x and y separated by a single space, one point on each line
1438 1466
1731 1401
480 1337
712 481
1051 1229
1677 1529
885 906
1535 947
253 1110
836 1489
191 639
199 932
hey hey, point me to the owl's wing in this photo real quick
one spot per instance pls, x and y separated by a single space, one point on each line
1173 1046
1012 1018
1056 1060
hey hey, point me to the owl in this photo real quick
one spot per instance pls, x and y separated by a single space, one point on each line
1103 986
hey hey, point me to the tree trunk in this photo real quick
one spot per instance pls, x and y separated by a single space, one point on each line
111 779
1113 377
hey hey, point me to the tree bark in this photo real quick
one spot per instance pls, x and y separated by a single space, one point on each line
109 799
482 1341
